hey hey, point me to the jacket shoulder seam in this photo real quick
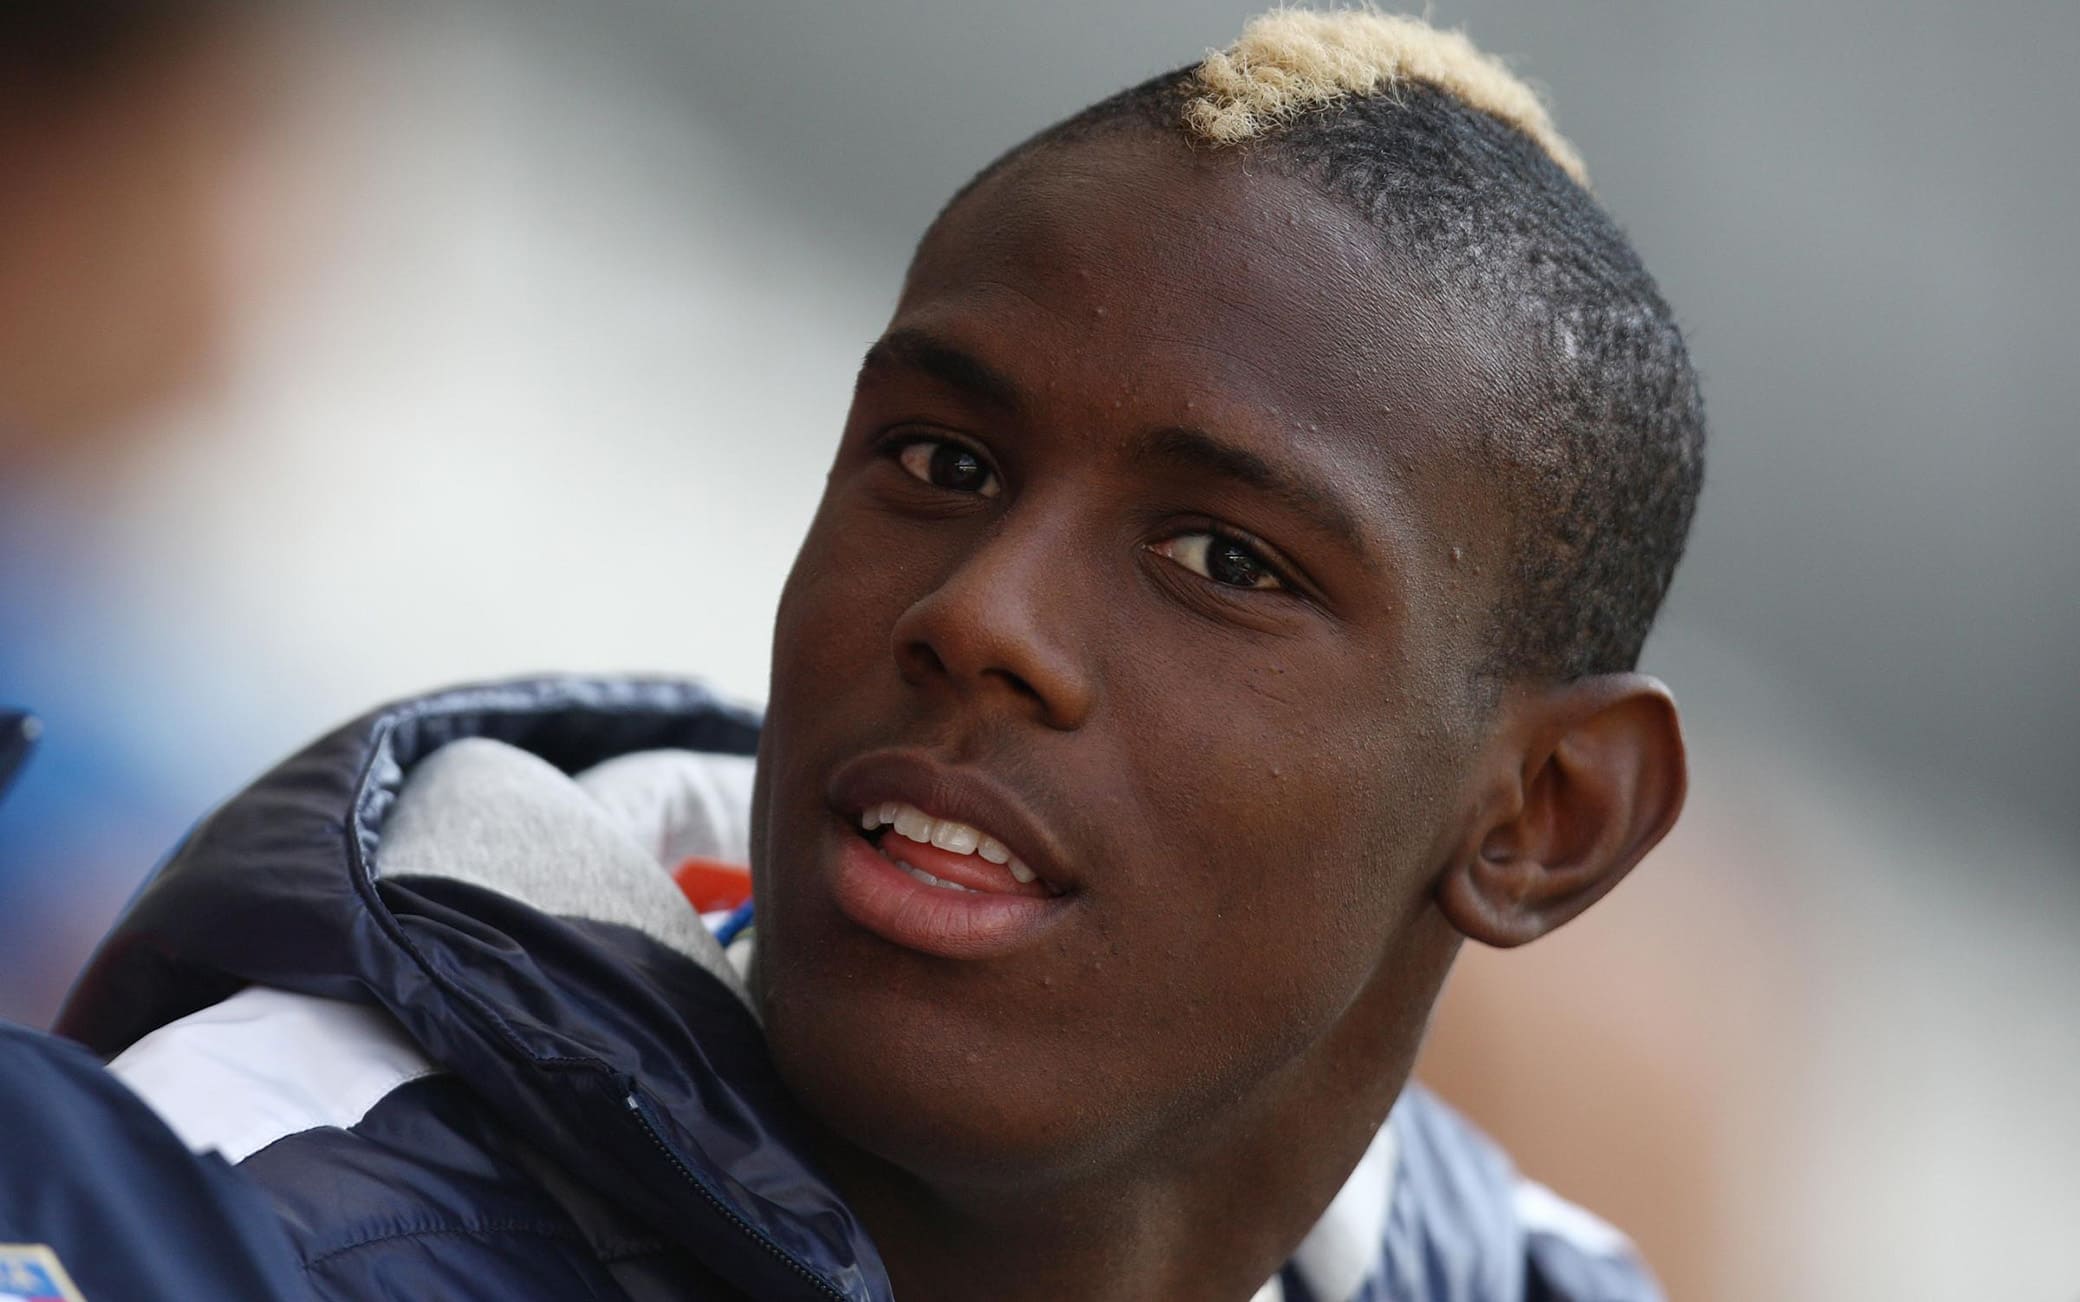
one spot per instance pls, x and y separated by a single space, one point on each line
436 1229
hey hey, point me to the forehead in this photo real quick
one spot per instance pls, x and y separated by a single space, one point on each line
1131 274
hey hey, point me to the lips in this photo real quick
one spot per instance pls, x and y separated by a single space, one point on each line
942 860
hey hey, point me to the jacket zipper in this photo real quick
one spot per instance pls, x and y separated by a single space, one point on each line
715 1200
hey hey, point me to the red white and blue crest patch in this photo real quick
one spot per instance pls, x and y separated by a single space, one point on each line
30 1272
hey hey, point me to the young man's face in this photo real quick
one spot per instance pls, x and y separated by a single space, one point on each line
1146 552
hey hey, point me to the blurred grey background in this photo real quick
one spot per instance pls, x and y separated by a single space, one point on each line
1864 212
540 319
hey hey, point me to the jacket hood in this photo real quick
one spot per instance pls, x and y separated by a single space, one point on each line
603 1039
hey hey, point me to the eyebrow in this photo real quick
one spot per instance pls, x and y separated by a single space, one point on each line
1178 445
956 369
1197 450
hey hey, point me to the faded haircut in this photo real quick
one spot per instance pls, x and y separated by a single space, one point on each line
1455 161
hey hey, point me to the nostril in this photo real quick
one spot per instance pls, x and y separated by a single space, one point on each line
920 661
1017 684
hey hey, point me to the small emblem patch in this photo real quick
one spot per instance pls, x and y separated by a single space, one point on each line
29 1272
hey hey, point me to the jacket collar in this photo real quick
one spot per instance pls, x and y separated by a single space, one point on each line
636 1068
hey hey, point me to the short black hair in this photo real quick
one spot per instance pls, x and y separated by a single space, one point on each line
1603 453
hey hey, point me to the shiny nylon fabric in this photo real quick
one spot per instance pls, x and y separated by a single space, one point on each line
129 1212
558 1024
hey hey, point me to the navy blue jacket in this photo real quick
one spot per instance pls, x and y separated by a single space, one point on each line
501 1101
90 1176
96 1192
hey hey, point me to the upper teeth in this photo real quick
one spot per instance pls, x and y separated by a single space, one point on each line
914 824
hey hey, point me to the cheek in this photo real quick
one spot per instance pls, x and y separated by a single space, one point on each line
833 622
807 658
1289 841
1282 777
858 570
808 602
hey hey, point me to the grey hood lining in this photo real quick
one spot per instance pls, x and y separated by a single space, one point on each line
598 847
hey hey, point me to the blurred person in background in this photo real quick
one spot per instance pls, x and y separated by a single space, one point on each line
122 123
123 127
127 132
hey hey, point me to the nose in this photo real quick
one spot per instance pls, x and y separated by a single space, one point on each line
999 626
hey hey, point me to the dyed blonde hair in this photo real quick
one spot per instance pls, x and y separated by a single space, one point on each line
1290 61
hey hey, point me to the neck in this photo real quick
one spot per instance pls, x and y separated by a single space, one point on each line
1208 1209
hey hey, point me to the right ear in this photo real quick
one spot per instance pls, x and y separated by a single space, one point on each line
1586 777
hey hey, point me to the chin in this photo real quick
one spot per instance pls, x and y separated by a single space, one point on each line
953 1107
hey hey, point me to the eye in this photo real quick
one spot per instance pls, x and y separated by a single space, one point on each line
1226 560
945 464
